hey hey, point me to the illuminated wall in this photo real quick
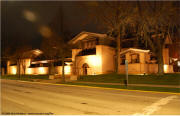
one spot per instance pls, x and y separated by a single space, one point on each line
168 68
166 56
102 62
67 70
13 70
30 71
143 67
107 53
138 68
41 70
93 62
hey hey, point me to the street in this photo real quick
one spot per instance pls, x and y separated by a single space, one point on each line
28 97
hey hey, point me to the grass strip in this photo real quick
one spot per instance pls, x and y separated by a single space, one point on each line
25 77
145 88
166 79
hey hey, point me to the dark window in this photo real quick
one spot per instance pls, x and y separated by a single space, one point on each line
87 52
45 64
166 46
134 58
123 58
13 63
97 41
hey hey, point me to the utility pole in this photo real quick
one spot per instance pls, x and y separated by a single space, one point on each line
126 65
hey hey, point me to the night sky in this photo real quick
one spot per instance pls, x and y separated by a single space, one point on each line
16 30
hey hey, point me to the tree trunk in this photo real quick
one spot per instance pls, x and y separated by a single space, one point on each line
18 68
24 67
118 50
63 76
52 69
160 60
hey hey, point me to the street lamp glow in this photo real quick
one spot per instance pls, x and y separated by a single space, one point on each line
30 16
45 31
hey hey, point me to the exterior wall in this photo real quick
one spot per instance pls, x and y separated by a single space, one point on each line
152 68
135 68
122 69
145 68
168 69
26 63
12 70
30 71
127 56
102 62
93 61
108 63
45 70
166 56
74 53
41 70
67 70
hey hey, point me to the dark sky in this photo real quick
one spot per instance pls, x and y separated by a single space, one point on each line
16 30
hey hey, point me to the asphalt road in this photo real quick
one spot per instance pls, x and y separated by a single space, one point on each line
23 97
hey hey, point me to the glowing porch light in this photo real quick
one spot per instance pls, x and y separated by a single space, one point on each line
14 70
30 16
165 68
94 60
67 69
45 31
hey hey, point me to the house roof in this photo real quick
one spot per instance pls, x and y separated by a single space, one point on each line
134 50
84 35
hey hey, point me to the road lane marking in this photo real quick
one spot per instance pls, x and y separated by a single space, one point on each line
156 106
101 87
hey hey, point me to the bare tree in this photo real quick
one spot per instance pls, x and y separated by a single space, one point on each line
48 47
116 17
62 36
156 21
19 55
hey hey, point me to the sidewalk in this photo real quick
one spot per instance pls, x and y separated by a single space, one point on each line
147 85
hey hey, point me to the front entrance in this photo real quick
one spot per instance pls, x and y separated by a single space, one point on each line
85 67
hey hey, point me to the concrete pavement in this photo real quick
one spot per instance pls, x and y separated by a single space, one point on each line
25 97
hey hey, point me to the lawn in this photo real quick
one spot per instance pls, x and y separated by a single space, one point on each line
25 77
160 89
166 79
